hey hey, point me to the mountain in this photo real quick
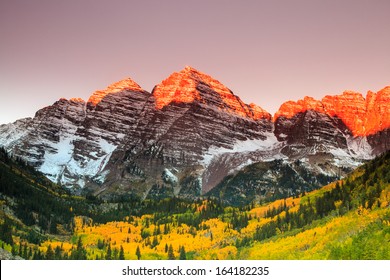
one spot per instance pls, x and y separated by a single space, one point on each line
319 141
191 134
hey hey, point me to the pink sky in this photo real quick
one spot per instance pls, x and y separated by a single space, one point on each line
267 52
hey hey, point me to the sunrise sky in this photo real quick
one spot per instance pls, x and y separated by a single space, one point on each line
266 52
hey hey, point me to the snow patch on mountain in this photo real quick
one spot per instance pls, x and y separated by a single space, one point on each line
11 133
360 147
101 177
90 168
249 145
168 176
57 157
61 166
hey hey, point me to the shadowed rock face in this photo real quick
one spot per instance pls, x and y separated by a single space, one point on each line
191 132
311 128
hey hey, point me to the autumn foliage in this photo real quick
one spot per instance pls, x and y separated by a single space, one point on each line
348 219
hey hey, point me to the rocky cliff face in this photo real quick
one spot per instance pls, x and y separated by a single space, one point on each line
362 116
190 133
45 140
186 115
346 122
111 121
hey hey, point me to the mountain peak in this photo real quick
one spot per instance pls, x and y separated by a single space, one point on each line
179 87
123 85
290 108
200 77
190 85
77 100
258 112
188 69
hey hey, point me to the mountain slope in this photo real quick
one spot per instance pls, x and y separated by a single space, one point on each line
271 180
30 200
348 219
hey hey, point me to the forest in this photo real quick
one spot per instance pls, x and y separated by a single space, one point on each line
347 219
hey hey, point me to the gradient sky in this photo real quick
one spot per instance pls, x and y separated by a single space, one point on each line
267 52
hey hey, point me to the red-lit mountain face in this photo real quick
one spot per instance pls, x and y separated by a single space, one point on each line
362 116
347 121
190 86
190 133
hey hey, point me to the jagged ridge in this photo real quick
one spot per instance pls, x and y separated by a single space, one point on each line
362 116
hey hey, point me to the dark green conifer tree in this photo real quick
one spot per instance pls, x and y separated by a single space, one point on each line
121 253
25 254
58 253
182 253
115 254
109 252
171 255
49 253
6 232
138 253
